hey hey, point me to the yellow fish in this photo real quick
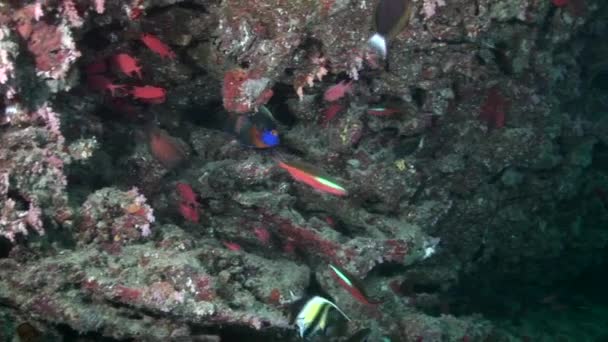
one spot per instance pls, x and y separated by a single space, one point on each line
312 312
313 317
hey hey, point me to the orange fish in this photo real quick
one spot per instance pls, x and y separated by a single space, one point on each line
165 148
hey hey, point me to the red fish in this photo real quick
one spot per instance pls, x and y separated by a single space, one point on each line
262 234
127 64
102 83
165 148
309 175
149 94
189 205
156 45
189 212
97 67
351 284
560 3
186 193
330 112
233 246
337 91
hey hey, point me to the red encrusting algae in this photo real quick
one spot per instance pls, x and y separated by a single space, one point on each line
494 109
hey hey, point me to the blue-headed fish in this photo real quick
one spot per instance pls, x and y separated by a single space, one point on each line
390 17
257 130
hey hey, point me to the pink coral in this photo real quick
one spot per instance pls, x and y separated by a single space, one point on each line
25 17
53 49
244 90
71 13
113 218
6 60
429 7
14 221
100 6
51 119
316 70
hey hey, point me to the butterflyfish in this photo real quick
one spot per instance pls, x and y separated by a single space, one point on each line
315 313
390 18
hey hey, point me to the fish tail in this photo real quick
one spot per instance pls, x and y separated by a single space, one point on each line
378 43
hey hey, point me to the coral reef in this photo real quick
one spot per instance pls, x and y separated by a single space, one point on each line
113 217
471 160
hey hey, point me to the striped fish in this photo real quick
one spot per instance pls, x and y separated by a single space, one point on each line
313 317
314 313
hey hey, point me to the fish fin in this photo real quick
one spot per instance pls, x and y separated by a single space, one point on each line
314 288
264 110
255 138
336 307
295 307
378 43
